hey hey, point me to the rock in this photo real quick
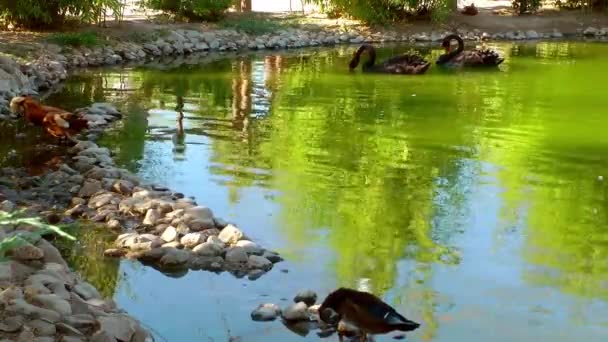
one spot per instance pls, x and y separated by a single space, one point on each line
86 291
191 240
68 330
216 240
27 252
255 274
42 328
265 312
198 225
123 187
309 297
206 263
89 188
590 31
208 249
236 255
250 247
53 302
556 34
175 257
295 312
152 215
114 252
20 306
200 213
11 324
259 262
72 339
7 206
10 293
231 234
114 224
51 254
531 34
272 256
81 321
118 327
170 234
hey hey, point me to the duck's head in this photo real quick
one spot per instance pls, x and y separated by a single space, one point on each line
329 316
17 104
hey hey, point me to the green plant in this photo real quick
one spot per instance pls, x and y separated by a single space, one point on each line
385 11
210 10
24 238
526 6
37 14
75 39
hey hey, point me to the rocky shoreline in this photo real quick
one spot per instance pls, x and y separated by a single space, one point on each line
51 62
41 299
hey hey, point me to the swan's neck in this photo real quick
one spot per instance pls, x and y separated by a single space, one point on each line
372 57
449 53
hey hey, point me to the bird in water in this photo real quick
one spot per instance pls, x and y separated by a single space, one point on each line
56 121
407 64
460 58
363 310
470 9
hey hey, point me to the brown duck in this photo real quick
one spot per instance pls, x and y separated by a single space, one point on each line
461 58
407 64
364 310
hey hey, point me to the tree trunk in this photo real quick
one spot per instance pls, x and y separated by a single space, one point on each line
245 6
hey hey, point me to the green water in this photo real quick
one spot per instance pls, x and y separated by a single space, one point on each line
475 202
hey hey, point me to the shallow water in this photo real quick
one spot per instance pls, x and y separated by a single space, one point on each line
473 202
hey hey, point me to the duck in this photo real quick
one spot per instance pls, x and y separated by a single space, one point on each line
407 64
470 10
363 310
461 58
57 122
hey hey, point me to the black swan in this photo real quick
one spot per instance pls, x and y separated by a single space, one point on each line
407 64
461 58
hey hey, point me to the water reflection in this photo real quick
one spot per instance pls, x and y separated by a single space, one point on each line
470 201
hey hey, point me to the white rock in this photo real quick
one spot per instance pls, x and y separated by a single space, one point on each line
231 235
191 240
152 216
265 312
250 247
590 31
531 34
295 312
170 234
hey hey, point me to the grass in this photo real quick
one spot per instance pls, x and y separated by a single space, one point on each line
75 39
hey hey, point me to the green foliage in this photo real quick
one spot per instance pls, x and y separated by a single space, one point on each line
75 39
385 11
526 6
23 238
37 14
209 10
597 5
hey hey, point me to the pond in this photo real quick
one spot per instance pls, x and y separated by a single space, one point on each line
474 202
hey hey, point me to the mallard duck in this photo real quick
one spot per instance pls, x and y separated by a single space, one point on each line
470 10
461 58
363 310
407 64
57 122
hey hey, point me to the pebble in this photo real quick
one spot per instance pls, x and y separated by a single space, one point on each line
265 312
307 296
